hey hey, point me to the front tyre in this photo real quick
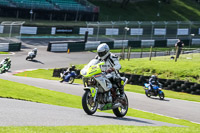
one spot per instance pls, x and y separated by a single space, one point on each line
71 80
88 105
161 95
121 111
147 92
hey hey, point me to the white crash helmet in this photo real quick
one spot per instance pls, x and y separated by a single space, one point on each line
35 49
103 50
154 77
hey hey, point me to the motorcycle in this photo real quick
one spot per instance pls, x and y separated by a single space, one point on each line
155 91
5 67
97 93
31 55
70 76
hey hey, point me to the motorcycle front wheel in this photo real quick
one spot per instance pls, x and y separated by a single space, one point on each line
89 106
121 111
147 93
161 95
71 80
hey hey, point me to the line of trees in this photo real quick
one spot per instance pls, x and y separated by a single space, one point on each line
124 3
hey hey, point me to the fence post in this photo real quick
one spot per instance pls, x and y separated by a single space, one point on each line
155 52
150 55
176 54
141 52
97 32
129 53
122 53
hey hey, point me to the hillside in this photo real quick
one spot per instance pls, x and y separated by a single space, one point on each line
177 10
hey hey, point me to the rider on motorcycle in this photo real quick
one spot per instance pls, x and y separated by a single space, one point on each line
153 81
5 61
65 76
111 66
34 51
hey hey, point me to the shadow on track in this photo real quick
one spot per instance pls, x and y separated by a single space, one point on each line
123 119
157 98
36 61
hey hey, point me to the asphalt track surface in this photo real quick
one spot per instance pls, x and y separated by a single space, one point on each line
170 107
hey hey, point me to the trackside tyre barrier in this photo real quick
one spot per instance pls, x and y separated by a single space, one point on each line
10 46
168 84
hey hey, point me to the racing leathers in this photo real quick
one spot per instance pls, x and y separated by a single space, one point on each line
111 67
152 82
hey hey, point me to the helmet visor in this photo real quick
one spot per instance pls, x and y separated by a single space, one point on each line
101 54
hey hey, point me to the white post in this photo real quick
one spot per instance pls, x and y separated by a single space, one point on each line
97 32
165 28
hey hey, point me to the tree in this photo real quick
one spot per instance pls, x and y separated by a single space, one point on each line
124 3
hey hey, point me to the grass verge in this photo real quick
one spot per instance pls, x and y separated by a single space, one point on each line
4 53
30 93
47 74
183 10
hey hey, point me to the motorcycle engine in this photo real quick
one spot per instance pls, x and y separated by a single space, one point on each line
105 98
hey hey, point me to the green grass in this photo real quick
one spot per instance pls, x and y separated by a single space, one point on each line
15 90
47 74
30 93
186 68
182 10
4 52
99 129
178 10
39 73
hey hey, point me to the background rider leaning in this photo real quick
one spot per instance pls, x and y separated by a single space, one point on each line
111 66
153 81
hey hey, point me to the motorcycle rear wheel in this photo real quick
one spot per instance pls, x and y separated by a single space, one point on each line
121 111
88 105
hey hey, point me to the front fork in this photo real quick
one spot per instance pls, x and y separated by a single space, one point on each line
94 99
94 92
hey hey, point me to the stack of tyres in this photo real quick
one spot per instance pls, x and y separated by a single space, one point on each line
128 76
134 79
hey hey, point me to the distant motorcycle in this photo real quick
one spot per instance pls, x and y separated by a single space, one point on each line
155 91
32 54
5 67
68 76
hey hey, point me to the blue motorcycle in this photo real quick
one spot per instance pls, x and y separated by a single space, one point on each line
155 91
68 76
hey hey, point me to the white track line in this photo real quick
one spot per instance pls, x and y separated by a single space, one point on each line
164 115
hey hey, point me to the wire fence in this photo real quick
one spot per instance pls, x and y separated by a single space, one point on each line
138 30
154 52
10 31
